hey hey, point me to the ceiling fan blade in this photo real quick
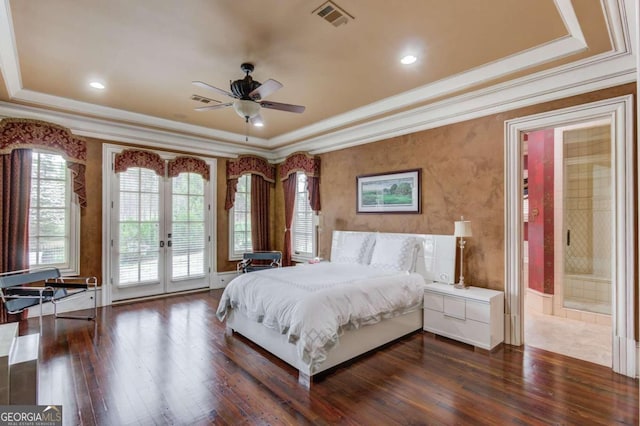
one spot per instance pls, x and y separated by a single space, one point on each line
210 87
265 89
283 107
210 107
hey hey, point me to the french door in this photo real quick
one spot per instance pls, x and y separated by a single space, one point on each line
160 230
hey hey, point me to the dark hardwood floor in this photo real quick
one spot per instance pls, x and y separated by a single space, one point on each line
167 362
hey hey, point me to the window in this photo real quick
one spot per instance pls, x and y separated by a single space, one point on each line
240 220
303 229
53 216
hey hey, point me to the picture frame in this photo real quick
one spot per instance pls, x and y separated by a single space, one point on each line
393 192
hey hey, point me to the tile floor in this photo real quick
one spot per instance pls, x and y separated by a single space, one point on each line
577 339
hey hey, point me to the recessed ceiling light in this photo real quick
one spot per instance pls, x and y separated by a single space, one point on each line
97 85
408 60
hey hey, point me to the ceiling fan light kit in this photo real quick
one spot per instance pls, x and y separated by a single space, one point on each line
248 95
246 109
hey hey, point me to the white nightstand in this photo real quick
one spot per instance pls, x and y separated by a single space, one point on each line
473 315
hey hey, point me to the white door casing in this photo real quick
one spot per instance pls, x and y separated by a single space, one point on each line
620 111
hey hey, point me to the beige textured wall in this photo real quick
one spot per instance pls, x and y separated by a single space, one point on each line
462 174
91 216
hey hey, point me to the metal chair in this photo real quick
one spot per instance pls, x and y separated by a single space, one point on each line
23 289
259 260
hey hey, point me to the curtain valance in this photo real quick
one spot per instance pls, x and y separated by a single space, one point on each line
188 165
251 164
242 165
310 166
22 133
138 158
300 162
151 160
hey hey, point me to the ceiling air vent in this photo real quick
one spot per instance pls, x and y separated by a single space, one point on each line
203 99
333 14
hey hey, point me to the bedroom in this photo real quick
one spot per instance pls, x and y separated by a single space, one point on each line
474 148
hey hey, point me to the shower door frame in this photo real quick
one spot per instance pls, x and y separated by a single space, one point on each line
620 111
561 238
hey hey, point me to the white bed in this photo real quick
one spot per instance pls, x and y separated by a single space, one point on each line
315 317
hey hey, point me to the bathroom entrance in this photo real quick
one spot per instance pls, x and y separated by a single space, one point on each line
620 113
568 214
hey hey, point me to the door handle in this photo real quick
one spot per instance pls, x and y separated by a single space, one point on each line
534 213
568 237
161 244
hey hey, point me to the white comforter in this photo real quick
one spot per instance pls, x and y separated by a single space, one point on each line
312 304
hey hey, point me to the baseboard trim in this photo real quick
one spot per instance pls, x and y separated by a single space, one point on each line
79 302
223 278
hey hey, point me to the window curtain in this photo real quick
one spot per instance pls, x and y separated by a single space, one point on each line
243 165
14 215
17 138
18 133
260 213
289 186
313 186
310 166
263 175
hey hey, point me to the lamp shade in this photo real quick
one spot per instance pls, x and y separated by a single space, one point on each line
246 109
462 228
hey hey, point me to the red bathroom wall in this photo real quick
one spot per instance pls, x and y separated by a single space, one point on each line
540 228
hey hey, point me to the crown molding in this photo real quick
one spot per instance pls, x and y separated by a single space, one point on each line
118 115
119 132
608 69
8 52
504 97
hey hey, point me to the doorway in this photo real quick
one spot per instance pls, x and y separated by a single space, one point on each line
159 224
620 112
567 240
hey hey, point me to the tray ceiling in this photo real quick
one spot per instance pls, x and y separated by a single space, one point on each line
148 52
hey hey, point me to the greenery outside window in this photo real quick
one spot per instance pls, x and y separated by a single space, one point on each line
303 229
240 220
54 221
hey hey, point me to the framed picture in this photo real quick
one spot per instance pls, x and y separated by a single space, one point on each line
395 192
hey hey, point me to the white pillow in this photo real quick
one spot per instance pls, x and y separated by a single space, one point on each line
355 248
394 252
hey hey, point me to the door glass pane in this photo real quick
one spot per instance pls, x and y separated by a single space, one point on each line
138 226
588 219
188 227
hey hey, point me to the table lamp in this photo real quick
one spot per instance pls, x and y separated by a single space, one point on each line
462 229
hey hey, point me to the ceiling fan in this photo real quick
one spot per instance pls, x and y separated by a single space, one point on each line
249 95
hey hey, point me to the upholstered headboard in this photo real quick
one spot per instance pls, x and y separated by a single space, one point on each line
435 255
